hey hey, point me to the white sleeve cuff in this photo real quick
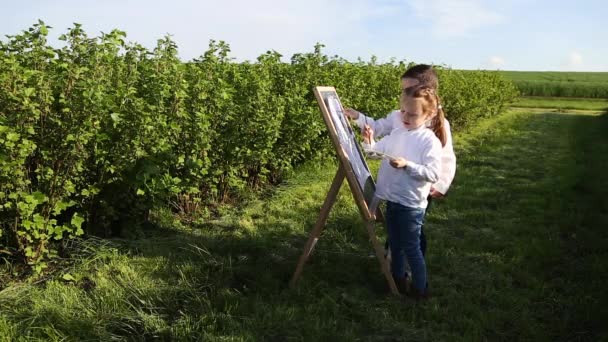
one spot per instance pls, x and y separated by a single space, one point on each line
441 187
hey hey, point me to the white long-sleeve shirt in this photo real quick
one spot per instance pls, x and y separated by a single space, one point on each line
393 121
408 186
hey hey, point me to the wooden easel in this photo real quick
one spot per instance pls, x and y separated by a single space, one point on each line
345 170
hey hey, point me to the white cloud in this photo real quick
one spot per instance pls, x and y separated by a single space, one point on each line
452 18
496 62
575 59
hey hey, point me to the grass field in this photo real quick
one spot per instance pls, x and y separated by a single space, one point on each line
557 76
562 103
560 84
517 251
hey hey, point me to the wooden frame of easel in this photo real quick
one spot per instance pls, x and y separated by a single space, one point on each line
345 170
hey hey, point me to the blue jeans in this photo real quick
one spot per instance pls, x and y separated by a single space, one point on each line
422 235
404 225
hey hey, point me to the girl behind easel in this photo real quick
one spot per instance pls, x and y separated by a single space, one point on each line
404 181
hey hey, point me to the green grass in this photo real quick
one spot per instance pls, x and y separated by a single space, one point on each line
557 76
562 103
560 84
517 251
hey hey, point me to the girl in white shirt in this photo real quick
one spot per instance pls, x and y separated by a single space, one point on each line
404 181
415 76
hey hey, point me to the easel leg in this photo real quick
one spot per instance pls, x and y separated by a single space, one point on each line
380 255
320 224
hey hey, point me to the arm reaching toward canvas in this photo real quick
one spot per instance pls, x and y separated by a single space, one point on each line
375 151
382 127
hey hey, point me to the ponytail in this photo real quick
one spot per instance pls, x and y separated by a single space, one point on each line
438 123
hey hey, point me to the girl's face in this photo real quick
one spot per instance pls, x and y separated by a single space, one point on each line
411 112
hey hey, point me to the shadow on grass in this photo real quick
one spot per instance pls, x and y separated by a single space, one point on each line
528 199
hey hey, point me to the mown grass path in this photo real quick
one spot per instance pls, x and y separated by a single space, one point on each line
517 251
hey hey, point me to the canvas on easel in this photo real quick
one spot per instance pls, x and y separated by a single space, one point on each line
353 167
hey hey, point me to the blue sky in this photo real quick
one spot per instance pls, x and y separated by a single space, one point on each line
463 34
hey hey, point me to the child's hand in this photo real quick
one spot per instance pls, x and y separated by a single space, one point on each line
436 194
398 163
351 113
368 134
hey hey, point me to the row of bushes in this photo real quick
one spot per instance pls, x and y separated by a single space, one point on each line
95 133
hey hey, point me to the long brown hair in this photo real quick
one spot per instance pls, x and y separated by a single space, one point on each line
431 105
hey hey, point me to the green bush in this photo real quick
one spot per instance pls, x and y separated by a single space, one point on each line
468 96
94 134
